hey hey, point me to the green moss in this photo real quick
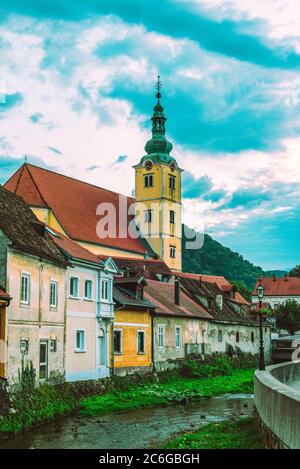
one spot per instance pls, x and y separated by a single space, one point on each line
175 390
237 434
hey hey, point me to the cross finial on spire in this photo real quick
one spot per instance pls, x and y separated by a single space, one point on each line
158 86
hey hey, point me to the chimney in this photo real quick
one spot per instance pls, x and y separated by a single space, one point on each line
274 278
177 291
286 277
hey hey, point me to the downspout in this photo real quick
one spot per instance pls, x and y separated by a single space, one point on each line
112 350
152 342
65 320
40 294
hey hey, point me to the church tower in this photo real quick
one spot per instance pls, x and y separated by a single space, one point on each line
158 192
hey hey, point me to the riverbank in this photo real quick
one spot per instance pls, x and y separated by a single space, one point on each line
176 390
30 405
238 434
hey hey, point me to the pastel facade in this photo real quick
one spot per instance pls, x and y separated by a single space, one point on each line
4 302
179 324
89 311
33 270
132 334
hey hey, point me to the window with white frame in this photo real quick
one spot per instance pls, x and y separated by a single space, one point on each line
148 180
178 337
117 341
148 216
80 341
105 290
141 342
53 294
25 289
88 290
220 335
74 287
161 336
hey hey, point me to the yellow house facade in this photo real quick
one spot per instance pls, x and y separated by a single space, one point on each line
132 331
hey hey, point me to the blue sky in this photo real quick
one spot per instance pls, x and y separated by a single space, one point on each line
76 95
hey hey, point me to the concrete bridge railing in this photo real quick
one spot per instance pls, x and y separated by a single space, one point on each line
277 402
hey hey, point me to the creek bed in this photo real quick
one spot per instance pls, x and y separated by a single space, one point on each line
141 428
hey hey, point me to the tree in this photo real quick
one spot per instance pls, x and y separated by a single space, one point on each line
295 272
242 289
288 316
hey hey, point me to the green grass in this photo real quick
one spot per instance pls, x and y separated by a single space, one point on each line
237 434
175 390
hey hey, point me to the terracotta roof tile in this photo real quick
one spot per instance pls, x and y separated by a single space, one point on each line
122 296
74 204
24 230
73 249
289 286
148 268
163 296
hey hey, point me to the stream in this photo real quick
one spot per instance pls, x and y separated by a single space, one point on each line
141 428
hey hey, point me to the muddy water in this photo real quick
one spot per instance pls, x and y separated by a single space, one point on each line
143 428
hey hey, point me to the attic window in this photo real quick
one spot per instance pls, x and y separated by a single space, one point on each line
51 232
219 301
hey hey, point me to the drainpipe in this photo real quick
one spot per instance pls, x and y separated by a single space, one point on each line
40 294
112 350
152 342
177 292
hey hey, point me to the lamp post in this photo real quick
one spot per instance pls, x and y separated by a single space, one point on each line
260 294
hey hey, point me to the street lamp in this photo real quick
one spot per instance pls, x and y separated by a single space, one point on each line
260 294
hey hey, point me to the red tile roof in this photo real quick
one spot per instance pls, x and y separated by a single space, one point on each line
73 249
280 286
219 280
148 268
163 296
23 229
74 204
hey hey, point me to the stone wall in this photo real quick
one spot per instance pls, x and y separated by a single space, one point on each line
278 405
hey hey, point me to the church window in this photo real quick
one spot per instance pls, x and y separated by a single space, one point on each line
172 217
148 180
172 183
148 216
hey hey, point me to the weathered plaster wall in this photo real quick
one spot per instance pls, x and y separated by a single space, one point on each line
193 331
229 336
36 321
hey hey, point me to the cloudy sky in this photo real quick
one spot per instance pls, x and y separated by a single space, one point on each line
77 91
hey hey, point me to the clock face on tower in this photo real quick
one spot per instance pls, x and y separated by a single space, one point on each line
148 165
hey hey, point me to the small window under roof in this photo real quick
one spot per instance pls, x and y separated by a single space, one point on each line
53 233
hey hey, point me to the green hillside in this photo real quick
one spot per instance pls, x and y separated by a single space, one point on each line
215 259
